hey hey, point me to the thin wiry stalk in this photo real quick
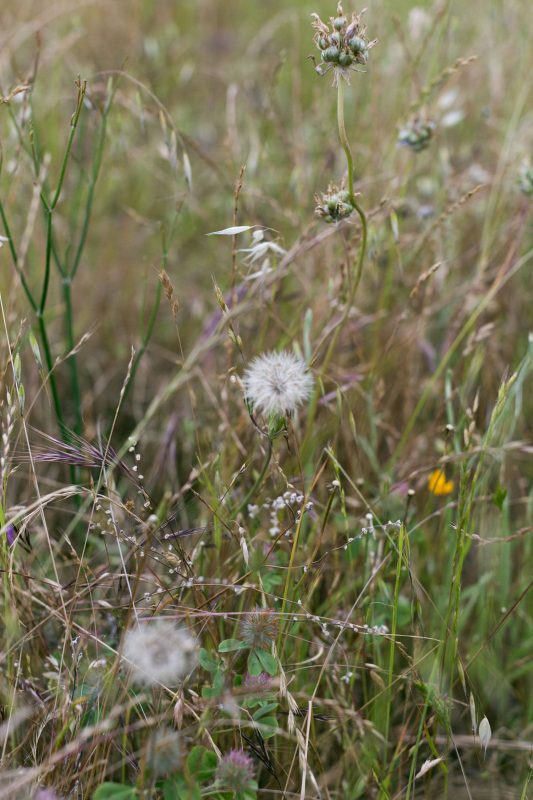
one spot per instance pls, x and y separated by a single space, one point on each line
356 279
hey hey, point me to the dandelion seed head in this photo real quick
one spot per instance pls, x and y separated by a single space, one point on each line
277 383
159 652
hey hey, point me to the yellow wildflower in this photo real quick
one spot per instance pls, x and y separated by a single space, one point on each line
437 483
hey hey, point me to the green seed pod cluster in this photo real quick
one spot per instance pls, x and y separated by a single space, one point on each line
334 205
416 134
525 180
342 44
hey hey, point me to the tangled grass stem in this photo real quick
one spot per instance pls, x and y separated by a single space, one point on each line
259 480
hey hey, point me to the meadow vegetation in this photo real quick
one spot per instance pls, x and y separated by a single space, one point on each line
266 500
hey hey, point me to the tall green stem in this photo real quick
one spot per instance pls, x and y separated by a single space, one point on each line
364 226
358 267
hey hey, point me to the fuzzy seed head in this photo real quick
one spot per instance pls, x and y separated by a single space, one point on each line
236 771
259 628
159 652
277 383
163 751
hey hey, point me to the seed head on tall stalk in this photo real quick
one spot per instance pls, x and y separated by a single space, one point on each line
344 48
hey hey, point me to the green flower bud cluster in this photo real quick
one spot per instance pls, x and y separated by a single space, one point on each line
343 44
525 180
334 205
416 134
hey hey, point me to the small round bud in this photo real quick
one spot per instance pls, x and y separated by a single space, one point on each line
339 23
345 60
335 39
357 45
322 42
331 54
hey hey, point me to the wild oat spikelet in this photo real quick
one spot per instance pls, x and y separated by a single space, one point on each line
159 652
277 383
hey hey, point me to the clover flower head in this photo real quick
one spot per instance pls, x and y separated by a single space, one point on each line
159 652
235 771
259 627
343 45
277 383
416 134
260 682
334 205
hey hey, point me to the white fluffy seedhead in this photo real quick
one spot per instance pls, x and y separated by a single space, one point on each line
159 652
277 383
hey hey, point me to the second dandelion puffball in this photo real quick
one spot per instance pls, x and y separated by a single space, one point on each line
159 652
